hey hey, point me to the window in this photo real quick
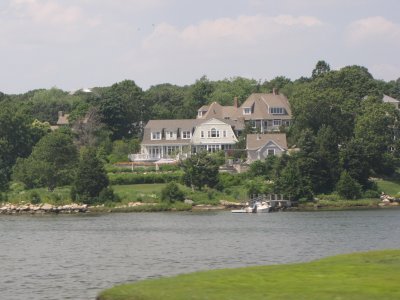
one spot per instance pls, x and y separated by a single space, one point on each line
270 152
277 110
213 133
224 133
277 123
200 113
170 135
156 135
186 135
247 110
213 148
202 134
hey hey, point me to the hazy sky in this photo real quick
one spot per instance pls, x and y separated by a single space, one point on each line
73 44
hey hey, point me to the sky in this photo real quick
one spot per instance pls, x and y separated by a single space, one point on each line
73 44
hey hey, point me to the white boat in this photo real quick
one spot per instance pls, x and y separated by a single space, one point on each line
257 207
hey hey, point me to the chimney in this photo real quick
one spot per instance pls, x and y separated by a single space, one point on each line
275 91
60 113
235 102
258 137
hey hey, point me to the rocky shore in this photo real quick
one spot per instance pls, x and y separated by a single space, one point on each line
42 208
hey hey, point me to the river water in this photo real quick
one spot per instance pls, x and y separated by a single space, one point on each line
76 256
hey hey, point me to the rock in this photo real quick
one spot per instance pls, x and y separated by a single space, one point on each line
188 201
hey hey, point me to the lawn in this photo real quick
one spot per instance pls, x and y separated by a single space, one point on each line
139 192
389 187
363 276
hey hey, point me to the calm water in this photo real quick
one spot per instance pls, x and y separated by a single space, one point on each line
75 257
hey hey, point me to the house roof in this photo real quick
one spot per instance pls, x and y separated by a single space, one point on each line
389 99
63 119
260 104
182 125
256 141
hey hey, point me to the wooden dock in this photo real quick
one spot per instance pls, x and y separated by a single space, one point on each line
277 202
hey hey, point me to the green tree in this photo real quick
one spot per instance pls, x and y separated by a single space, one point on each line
53 161
199 170
90 179
322 67
122 109
171 193
348 187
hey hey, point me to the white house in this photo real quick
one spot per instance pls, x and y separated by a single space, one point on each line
180 138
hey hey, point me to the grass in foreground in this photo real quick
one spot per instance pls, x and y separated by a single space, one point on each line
363 276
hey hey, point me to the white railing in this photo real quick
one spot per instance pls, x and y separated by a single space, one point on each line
143 157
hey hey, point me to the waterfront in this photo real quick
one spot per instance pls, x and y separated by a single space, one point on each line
74 257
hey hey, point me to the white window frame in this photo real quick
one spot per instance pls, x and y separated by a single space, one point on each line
156 135
213 148
202 134
277 110
270 150
247 110
213 133
277 122
186 135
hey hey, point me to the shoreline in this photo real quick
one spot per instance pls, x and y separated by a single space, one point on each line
74 208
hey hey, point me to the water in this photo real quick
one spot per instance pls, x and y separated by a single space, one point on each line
75 257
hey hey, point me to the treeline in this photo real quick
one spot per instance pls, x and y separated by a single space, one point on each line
344 131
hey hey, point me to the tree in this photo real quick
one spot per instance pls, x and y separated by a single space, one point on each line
347 187
374 129
122 109
199 170
90 179
53 161
171 193
321 68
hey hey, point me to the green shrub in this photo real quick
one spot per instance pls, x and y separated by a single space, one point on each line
107 195
35 197
172 193
371 194
131 178
348 187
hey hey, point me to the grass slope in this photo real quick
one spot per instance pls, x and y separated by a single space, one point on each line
371 275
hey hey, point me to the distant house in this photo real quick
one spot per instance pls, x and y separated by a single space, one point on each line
180 138
259 146
62 119
264 112
393 101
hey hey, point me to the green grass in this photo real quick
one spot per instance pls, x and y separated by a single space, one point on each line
139 192
390 187
60 196
359 276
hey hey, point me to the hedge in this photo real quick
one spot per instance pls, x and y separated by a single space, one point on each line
132 178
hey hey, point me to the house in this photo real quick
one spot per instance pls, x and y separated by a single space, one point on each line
180 138
62 119
264 112
259 146
393 101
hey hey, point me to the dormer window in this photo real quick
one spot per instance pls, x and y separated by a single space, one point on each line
277 110
247 110
186 135
156 135
213 133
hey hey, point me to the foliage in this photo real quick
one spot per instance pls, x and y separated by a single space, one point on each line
122 109
171 193
199 170
90 179
348 187
140 178
51 163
